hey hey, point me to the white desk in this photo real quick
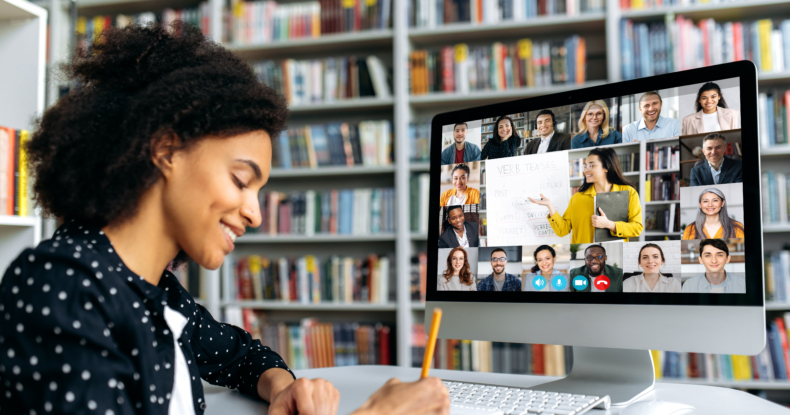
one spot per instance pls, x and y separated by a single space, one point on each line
357 383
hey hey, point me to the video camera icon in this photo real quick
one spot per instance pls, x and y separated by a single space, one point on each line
580 283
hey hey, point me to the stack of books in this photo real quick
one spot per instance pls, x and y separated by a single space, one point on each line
325 80
659 157
310 279
311 344
772 117
662 187
430 13
363 211
656 48
498 67
14 186
368 143
262 22
664 220
777 276
420 141
776 189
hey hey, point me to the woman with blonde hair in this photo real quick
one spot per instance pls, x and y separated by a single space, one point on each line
594 128
457 276
713 221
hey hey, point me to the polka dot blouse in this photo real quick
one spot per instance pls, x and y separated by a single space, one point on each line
507 148
81 333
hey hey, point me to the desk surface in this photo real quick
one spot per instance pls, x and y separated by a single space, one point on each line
357 383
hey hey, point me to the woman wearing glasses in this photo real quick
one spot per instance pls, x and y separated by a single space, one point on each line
458 275
602 173
594 128
651 258
542 276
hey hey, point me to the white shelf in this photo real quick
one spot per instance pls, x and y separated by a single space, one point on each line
328 43
661 202
420 166
776 306
477 98
281 305
362 104
776 227
630 173
779 150
661 233
417 306
6 220
419 237
264 238
330 171
739 384
712 10
19 10
662 171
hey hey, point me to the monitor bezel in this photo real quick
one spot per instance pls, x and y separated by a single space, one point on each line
753 239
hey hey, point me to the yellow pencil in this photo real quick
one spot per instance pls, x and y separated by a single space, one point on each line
426 361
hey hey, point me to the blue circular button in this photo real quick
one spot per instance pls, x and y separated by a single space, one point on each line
538 282
559 282
579 282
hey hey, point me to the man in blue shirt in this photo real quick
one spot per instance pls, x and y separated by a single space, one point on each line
716 169
714 255
652 125
499 280
461 152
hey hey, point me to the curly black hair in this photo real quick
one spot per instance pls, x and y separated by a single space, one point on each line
90 155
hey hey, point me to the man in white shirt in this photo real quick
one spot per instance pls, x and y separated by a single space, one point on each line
714 255
652 125
548 139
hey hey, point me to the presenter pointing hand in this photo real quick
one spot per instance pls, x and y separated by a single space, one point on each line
544 201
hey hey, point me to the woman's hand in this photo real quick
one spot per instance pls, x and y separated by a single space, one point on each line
425 396
544 201
603 222
306 397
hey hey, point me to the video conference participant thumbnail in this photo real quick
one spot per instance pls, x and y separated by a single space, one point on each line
458 275
714 255
461 151
652 125
602 173
716 169
651 260
712 218
504 142
543 276
460 193
594 130
712 113
459 231
549 140
596 275
499 279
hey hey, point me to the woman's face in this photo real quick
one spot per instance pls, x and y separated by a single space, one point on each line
456 219
504 128
210 194
545 260
594 116
650 260
458 261
709 100
711 204
594 172
459 179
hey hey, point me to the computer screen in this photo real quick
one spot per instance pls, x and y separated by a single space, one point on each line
641 192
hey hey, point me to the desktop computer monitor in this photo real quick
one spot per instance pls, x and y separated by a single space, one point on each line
615 219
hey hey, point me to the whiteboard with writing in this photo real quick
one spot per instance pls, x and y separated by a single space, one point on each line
512 218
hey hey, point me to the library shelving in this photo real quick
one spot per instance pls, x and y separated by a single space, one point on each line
23 29
602 31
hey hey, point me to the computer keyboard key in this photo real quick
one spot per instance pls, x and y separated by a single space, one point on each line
466 409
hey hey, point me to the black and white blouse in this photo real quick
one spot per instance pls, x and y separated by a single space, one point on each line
81 333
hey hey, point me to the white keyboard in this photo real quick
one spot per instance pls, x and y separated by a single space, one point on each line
475 398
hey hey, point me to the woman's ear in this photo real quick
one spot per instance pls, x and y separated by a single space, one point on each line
163 147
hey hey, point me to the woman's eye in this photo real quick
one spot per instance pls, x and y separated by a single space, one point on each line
239 183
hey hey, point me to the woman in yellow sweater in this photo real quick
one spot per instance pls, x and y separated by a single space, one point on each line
460 194
602 173
712 218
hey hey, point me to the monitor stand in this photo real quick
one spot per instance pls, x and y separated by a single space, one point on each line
623 374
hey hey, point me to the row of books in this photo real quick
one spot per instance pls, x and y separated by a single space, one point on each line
658 157
655 48
432 13
192 277
628 163
651 4
261 22
88 28
773 117
662 187
368 143
463 68
777 276
419 209
362 211
14 196
325 80
664 220
312 344
776 204
420 140
310 279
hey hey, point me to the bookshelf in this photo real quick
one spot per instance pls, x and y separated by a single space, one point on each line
23 29
602 31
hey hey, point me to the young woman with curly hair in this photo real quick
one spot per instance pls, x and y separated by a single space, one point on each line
458 275
155 158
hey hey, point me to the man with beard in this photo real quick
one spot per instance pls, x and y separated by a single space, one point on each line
461 152
600 276
499 280
460 232
652 125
